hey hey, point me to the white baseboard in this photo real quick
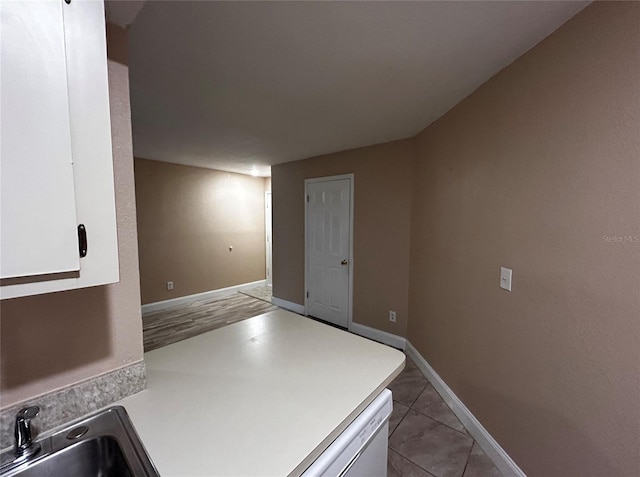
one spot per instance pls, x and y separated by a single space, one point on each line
377 335
489 445
288 305
185 300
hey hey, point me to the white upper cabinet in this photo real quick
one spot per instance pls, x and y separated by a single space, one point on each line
56 165
37 167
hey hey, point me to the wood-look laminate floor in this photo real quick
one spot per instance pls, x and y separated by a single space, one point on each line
176 324
261 293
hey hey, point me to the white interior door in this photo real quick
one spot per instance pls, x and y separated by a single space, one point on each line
267 225
328 249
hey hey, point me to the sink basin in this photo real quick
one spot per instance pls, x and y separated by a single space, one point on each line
100 456
102 445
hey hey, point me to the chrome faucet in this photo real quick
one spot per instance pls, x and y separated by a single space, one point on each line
25 447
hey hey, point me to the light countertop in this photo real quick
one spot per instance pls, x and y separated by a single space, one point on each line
261 397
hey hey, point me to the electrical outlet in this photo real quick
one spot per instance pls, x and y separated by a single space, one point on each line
392 316
169 286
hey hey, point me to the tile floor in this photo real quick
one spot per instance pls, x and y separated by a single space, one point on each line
425 437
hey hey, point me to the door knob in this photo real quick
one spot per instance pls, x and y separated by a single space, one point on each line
344 262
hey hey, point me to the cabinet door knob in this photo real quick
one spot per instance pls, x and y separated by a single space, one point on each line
82 240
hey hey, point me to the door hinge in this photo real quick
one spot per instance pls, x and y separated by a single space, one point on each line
307 294
307 198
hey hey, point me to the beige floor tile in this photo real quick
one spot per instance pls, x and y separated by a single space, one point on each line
409 384
479 465
431 404
398 466
431 445
399 411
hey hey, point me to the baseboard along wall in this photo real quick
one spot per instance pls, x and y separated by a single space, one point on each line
489 445
380 336
288 305
185 300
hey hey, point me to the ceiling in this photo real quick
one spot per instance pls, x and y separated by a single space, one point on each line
240 86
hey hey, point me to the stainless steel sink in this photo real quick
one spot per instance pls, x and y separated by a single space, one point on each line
102 445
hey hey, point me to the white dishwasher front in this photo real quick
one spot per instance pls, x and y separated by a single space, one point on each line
361 449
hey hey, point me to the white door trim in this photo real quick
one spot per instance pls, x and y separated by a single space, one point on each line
268 224
351 179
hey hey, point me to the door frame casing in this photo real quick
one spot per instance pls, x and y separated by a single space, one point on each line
268 224
351 178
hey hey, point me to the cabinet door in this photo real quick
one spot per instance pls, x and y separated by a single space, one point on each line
43 41
84 30
38 228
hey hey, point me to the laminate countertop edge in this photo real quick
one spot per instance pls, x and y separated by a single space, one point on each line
260 397
334 435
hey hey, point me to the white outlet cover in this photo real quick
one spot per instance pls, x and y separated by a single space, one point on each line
505 278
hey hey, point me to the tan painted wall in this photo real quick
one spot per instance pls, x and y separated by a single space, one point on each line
381 229
533 171
187 219
50 341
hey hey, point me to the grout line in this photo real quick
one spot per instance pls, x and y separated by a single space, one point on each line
468 456
399 422
418 396
466 434
417 465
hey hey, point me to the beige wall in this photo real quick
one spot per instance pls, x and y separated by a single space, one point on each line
382 202
50 341
187 219
532 172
